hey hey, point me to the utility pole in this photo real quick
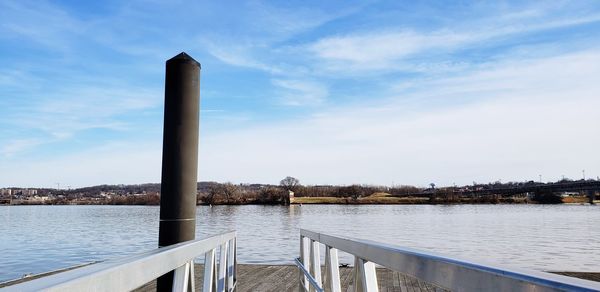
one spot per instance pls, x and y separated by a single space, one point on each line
180 156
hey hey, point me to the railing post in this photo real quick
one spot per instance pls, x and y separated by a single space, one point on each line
357 272
210 275
332 270
301 277
369 276
192 282
305 260
234 261
221 278
230 265
315 266
180 156
181 278
365 276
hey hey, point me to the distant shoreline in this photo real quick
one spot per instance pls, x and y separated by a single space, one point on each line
290 191
375 199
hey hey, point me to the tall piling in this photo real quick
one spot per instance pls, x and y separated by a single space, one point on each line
180 156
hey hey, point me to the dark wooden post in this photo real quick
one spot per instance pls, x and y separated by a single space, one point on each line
180 156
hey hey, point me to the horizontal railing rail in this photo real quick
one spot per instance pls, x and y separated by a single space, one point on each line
447 272
134 271
306 274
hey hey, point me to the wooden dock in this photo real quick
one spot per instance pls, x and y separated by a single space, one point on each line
285 278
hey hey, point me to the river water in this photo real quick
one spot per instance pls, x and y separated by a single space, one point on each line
36 239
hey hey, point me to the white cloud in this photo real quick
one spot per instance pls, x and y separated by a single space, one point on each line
239 56
301 92
558 77
364 51
377 50
40 23
11 147
267 27
461 121
62 114
283 22
127 163
541 123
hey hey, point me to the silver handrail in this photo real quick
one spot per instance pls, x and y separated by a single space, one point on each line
306 274
452 273
134 271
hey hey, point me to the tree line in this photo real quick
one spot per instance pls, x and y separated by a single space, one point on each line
228 193
211 193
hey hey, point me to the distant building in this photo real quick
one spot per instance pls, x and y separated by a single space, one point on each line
107 195
37 198
22 192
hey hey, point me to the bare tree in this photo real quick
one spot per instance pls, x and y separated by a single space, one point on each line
227 192
271 195
290 183
212 195
231 192
353 191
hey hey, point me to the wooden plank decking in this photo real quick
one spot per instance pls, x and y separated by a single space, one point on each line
285 278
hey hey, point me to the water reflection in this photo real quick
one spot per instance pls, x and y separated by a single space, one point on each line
42 238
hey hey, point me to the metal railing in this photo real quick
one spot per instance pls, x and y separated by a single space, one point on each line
134 271
443 271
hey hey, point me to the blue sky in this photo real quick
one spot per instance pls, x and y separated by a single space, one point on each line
331 92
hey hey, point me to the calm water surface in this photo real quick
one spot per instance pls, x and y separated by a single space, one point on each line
35 239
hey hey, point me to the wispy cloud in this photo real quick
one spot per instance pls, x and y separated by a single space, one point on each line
281 22
333 92
368 51
11 147
39 23
239 56
269 28
300 92
522 131
64 113
121 162
557 77
383 50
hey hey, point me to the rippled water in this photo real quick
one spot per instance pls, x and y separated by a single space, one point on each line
35 239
